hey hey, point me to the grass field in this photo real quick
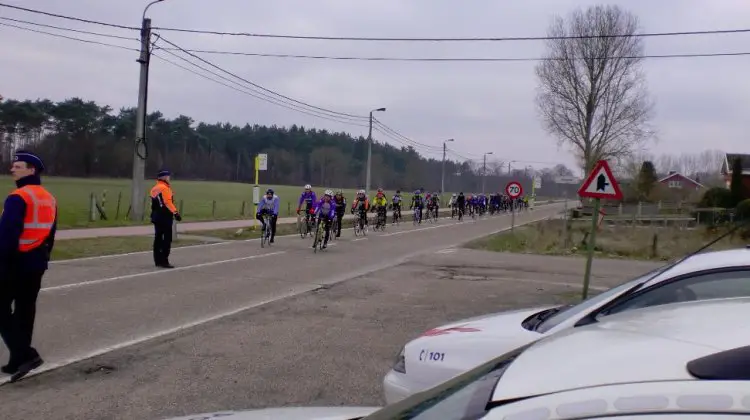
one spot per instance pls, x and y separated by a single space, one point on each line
645 243
198 200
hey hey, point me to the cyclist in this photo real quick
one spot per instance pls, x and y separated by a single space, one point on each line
361 204
340 201
452 205
396 202
308 197
435 202
379 204
417 203
461 204
325 209
269 204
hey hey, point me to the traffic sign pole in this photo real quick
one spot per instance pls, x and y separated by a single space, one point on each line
514 189
590 249
599 184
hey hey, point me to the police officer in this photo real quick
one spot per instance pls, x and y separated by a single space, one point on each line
27 234
163 211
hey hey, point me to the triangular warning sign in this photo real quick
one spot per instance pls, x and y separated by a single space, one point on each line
601 184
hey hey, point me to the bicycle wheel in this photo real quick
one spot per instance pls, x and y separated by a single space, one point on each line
301 226
316 238
263 237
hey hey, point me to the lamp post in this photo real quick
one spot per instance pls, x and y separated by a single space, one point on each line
369 151
137 191
484 169
442 171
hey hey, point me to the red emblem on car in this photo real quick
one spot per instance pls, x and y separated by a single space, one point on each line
442 331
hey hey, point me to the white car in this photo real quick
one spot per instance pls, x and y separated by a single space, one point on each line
444 352
672 359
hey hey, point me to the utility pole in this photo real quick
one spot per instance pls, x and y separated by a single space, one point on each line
442 172
484 169
369 152
139 150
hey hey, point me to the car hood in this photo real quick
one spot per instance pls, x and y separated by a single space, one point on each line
287 413
446 351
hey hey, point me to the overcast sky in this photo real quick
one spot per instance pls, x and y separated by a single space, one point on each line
701 103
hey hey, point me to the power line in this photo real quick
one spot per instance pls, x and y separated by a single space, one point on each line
334 113
94 22
343 58
88 41
70 29
242 89
404 138
460 59
447 39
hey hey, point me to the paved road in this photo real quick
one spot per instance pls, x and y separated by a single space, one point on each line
328 347
184 227
94 305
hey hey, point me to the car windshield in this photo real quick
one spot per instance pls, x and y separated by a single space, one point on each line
464 397
593 302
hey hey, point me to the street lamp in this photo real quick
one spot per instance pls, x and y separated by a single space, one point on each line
484 169
369 151
137 190
442 171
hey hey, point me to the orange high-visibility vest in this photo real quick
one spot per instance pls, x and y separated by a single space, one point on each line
41 210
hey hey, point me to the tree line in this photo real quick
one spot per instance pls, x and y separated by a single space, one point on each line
81 138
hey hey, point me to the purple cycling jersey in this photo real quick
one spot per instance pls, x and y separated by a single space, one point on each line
308 197
327 209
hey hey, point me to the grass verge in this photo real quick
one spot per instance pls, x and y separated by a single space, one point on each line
616 241
94 247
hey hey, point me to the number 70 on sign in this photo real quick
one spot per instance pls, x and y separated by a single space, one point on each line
514 189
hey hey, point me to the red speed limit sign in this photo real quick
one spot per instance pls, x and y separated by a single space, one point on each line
514 189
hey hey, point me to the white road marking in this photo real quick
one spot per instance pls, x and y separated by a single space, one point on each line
359 239
148 273
294 292
446 251
420 229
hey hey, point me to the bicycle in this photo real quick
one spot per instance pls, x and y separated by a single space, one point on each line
265 236
334 227
417 217
396 216
359 225
319 235
305 226
380 220
428 215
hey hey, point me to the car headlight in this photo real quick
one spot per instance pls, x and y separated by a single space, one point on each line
400 364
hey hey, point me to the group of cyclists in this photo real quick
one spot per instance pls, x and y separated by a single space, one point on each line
331 207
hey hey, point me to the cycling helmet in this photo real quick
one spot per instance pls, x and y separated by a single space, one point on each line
417 192
454 194
339 192
361 192
269 191
308 187
398 191
329 193
380 190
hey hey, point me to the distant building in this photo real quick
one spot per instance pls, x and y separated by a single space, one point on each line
726 169
677 181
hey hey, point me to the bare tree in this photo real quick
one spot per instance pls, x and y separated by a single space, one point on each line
592 92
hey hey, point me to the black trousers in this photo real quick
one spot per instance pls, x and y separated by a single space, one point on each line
339 218
162 241
274 217
20 289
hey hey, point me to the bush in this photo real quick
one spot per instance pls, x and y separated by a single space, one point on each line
743 210
716 197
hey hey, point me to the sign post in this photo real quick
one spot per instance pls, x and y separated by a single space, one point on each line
514 190
599 184
261 164
536 185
